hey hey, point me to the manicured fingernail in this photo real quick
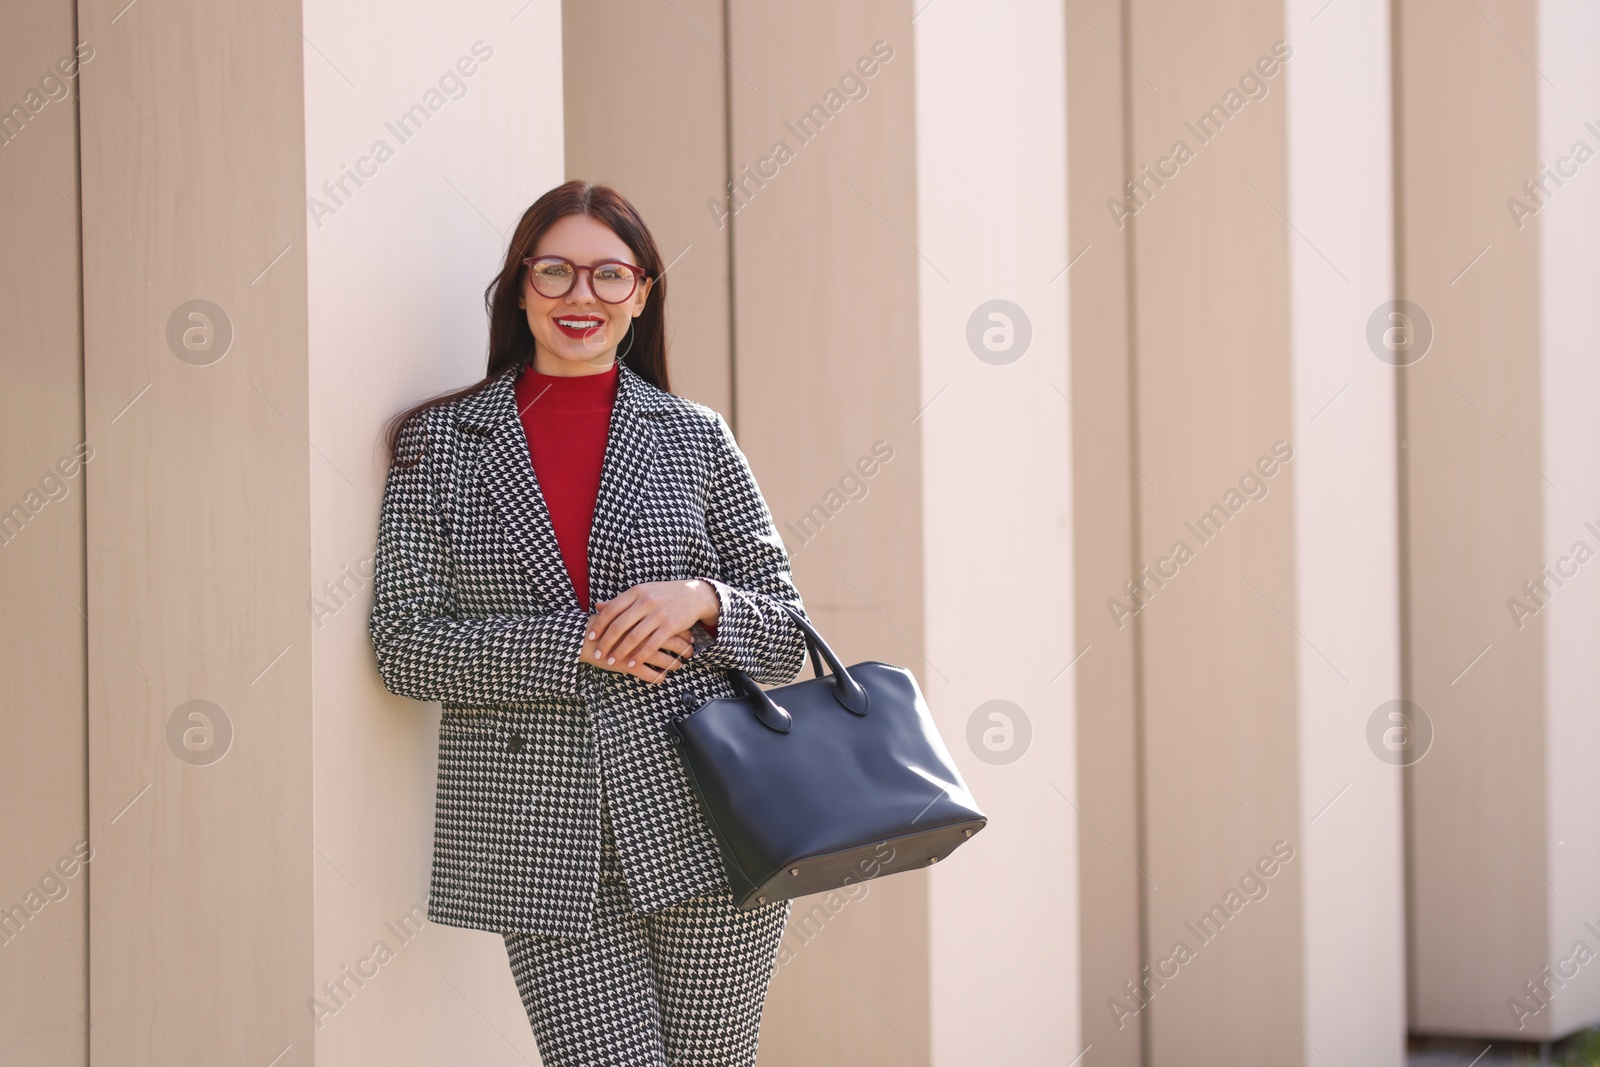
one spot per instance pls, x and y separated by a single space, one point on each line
630 663
597 653
611 659
591 635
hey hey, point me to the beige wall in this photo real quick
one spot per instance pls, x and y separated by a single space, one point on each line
218 545
1469 545
44 948
1569 275
1500 484
805 321
779 300
198 507
1340 205
228 497
997 520
1219 664
1228 713
1104 482
422 238
660 136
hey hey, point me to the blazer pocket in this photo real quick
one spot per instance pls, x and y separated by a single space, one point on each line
465 856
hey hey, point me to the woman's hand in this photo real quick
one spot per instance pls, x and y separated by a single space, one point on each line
655 665
648 616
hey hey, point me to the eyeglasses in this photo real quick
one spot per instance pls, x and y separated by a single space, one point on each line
612 280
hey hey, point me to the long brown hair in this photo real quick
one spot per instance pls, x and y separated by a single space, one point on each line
510 340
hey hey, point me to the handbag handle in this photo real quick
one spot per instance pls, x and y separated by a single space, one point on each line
768 711
846 690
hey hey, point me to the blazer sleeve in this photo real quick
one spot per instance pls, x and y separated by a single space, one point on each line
426 649
753 633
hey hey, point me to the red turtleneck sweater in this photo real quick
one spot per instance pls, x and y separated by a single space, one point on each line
566 421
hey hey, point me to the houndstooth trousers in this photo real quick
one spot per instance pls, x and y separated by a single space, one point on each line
682 986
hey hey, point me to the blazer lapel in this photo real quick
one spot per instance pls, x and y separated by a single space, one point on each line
630 463
506 470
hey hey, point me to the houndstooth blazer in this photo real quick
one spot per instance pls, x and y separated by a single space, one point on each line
473 608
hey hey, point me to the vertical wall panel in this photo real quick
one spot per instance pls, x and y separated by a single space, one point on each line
1479 858
1569 381
1219 676
825 341
44 886
998 522
1339 234
1496 226
200 919
660 136
1104 484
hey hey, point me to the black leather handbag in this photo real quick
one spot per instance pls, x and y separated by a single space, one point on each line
818 784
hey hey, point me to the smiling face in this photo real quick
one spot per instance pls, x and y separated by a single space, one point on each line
579 333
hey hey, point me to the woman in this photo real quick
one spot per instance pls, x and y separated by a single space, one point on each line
571 476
